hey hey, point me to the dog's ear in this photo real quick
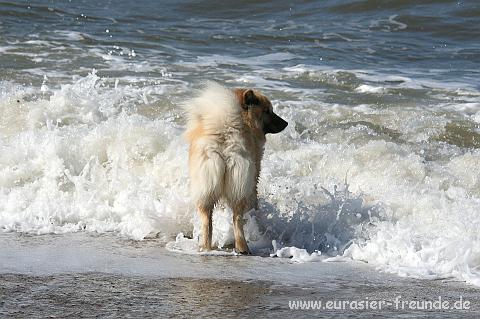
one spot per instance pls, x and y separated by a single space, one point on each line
250 99
246 98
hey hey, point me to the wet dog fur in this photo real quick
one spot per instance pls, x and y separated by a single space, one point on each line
226 130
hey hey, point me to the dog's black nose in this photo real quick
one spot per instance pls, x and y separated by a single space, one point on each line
275 124
282 124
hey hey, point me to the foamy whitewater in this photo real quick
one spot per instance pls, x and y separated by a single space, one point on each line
380 163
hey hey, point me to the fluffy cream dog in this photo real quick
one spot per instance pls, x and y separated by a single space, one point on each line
226 131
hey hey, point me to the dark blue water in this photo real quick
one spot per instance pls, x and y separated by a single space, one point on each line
434 39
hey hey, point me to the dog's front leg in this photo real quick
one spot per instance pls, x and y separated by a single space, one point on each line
206 217
240 242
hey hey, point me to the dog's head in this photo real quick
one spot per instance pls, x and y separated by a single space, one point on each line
258 109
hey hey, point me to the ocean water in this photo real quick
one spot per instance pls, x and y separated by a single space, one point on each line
380 162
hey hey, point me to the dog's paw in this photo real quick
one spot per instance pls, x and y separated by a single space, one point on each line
244 252
202 249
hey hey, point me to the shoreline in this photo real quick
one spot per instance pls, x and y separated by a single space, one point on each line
84 275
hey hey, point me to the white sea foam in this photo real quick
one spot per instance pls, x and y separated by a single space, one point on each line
81 162
387 80
365 88
295 254
389 24
258 60
70 35
82 158
189 246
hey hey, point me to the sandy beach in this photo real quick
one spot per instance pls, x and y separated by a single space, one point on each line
85 276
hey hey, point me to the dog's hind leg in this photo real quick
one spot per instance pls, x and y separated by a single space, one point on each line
240 242
206 218
239 185
207 169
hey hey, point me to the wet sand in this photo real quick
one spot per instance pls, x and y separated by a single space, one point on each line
99 295
86 276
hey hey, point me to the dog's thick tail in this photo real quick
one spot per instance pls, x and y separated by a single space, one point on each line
212 111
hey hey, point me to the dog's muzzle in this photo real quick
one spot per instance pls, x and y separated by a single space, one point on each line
274 124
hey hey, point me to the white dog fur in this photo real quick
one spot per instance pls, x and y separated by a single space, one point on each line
227 138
